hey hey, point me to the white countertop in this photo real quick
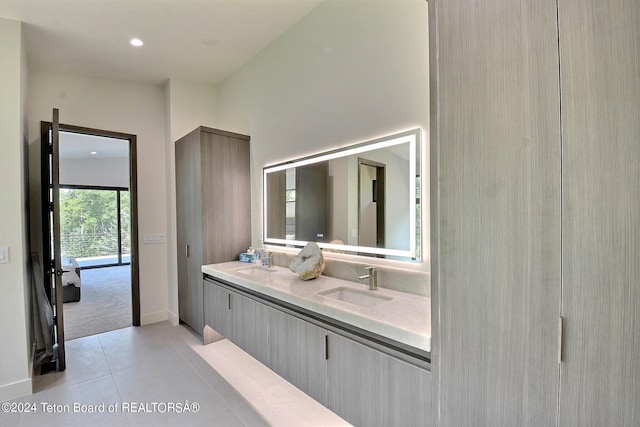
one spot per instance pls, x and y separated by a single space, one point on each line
406 318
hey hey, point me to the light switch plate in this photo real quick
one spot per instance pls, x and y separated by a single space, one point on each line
4 254
150 238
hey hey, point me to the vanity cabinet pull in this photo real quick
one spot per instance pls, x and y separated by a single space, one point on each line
229 301
186 250
326 347
560 338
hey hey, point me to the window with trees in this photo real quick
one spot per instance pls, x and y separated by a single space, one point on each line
95 225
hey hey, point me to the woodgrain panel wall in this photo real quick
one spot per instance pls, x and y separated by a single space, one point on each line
496 231
600 64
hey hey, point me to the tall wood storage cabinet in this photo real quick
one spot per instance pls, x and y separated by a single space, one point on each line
213 198
496 254
599 63
535 226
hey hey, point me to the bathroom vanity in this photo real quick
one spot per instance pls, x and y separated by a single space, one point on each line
363 354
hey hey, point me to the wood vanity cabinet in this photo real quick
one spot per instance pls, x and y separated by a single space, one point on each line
361 384
213 210
297 353
249 325
217 308
291 347
355 382
370 388
237 318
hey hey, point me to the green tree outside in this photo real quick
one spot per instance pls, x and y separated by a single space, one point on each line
89 222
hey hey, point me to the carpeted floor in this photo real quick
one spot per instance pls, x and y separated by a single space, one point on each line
105 303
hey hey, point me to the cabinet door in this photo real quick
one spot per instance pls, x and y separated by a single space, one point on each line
226 194
182 213
216 308
297 353
600 59
189 230
249 327
196 297
496 240
355 381
406 390
369 388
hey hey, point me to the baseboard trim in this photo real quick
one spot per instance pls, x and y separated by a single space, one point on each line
158 316
173 318
16 390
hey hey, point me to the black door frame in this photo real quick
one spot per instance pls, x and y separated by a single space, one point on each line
378 197
45 127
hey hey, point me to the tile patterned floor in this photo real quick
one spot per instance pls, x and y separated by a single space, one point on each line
138 373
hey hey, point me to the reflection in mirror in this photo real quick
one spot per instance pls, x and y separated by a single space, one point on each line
363 199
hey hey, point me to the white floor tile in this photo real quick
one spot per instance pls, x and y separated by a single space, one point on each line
158 365
77 404
85 361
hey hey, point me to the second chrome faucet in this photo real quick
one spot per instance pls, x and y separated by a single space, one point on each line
372 276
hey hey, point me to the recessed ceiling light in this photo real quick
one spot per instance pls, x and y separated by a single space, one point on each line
136 42
93 153
209 41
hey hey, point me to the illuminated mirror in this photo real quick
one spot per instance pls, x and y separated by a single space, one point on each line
363 199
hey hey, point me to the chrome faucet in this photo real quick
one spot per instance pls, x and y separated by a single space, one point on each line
372 276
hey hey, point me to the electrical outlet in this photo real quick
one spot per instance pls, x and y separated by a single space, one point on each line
151 238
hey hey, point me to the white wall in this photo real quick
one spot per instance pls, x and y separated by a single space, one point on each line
190 105
187 106
348 72
15 285
127 107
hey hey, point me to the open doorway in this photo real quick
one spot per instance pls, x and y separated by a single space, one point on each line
95 247
371 203
98 225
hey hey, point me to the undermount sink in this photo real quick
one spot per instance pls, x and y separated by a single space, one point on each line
357 297
255 270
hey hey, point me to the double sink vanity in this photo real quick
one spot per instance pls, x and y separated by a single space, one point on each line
362 353
398 318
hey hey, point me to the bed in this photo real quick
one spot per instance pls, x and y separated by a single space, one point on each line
70 280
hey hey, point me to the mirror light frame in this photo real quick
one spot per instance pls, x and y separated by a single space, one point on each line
413 137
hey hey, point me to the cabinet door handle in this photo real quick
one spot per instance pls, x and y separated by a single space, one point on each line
326 347
229 301
560 338
186 250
